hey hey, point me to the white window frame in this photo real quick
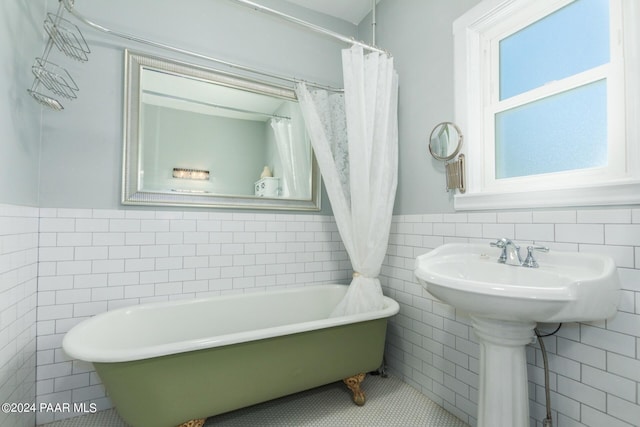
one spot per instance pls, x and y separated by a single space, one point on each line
476 36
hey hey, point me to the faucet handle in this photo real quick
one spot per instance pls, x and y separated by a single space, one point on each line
530 261
502 244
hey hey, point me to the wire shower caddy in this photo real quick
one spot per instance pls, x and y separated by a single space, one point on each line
69 40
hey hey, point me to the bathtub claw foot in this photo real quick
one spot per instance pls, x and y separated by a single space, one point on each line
354 385
194 423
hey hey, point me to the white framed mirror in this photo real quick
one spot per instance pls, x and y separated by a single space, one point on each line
201 137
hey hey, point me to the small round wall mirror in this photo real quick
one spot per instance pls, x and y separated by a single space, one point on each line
445 141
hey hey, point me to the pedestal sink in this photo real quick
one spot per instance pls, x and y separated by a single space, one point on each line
505 302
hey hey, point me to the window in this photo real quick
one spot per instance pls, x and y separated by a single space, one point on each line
546 93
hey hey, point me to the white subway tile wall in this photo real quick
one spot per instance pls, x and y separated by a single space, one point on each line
92 261
595 367
18 287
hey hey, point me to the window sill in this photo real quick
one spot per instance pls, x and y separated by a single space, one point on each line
626 193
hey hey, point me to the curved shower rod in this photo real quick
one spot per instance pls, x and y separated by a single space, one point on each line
68 4
311 26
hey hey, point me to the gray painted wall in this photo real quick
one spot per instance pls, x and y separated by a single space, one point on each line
81 152
20 42
81 149
200 141
419 35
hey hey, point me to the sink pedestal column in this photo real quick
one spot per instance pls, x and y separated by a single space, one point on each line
503 393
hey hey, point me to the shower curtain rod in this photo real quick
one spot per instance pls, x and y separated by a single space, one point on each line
68 4
311 26
212 105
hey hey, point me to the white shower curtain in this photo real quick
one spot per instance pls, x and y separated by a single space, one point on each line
295 159
355 140
282 132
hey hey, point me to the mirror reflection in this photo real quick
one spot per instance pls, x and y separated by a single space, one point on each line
201 137
445 141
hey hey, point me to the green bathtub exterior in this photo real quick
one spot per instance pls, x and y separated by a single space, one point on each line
170 390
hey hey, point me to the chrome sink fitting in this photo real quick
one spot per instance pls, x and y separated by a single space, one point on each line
511 253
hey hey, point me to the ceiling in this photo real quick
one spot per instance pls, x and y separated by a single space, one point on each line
348 10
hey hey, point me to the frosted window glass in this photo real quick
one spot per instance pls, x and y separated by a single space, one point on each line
559 133
567 42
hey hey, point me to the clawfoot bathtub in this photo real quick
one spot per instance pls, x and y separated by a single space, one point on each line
176 363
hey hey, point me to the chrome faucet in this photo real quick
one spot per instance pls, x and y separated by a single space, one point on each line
510 254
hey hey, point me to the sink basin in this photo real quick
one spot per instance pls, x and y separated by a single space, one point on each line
505 302
567 287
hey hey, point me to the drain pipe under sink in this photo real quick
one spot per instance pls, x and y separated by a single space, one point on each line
547 422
